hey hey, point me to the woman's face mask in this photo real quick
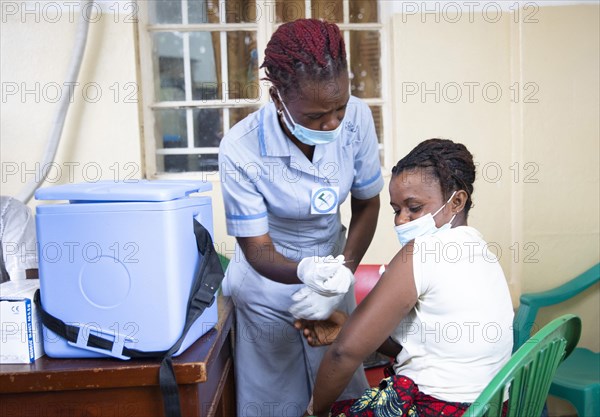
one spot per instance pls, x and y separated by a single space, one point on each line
423 226
309 136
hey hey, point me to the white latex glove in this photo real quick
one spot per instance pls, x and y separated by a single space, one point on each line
326 275
310 305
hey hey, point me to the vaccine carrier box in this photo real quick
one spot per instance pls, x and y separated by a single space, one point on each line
20 326
118 260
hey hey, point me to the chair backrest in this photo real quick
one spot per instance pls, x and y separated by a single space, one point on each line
530 303
224 261
366 276
529 372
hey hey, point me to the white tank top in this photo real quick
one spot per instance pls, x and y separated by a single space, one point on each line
459 334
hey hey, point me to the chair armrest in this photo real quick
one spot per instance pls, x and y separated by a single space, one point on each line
366 276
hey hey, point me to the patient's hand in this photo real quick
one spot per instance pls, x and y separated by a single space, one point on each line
322 332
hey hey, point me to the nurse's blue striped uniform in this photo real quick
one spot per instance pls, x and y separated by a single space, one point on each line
267 183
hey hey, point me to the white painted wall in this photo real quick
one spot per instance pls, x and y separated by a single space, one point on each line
101 137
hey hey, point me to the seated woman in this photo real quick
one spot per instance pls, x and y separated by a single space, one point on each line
442 307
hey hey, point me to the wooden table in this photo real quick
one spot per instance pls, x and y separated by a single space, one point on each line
110 387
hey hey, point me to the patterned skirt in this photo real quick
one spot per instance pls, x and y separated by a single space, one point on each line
397 396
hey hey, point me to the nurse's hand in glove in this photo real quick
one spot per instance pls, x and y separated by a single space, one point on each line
322 332
325 275
310 305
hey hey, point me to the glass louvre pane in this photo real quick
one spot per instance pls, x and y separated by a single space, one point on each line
203 11
208 127
242 57
205 62
237 114
188 162
174 163
170 128
203 162
329 10
168 64
288 10
364 11
240 11
378 119
164 11
365 74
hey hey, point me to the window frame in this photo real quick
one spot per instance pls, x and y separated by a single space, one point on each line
263 28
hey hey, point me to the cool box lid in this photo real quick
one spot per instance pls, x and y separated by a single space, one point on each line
112 191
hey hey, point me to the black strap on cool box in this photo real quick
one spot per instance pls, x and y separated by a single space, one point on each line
202 295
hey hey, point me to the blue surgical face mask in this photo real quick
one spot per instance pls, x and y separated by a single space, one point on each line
423 226
309 136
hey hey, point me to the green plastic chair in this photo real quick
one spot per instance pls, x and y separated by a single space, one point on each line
578 378
224 261
528 373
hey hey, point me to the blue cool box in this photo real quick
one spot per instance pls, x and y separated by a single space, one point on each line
118 260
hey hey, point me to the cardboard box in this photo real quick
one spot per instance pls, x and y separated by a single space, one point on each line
21 329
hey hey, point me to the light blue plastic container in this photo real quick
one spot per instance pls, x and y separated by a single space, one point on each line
118 260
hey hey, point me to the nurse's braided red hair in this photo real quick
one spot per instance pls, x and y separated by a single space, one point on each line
449 162
304 50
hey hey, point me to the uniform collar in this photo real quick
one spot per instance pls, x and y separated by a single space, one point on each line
274 142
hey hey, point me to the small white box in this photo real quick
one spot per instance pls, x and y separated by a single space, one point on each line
21 328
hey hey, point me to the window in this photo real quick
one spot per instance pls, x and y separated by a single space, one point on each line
199 65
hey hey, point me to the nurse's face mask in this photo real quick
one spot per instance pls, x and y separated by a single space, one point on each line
423 226
310 136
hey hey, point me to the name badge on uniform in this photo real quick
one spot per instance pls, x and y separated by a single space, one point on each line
324 200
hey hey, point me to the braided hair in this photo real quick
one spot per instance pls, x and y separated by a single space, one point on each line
448 162
305 49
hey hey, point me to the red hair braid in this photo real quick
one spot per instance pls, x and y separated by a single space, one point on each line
304 49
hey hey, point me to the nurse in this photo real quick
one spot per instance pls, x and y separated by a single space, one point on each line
285 170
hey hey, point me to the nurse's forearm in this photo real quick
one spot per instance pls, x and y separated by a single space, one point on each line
264 258
361 230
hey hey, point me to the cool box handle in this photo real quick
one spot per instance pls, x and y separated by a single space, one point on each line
117 344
